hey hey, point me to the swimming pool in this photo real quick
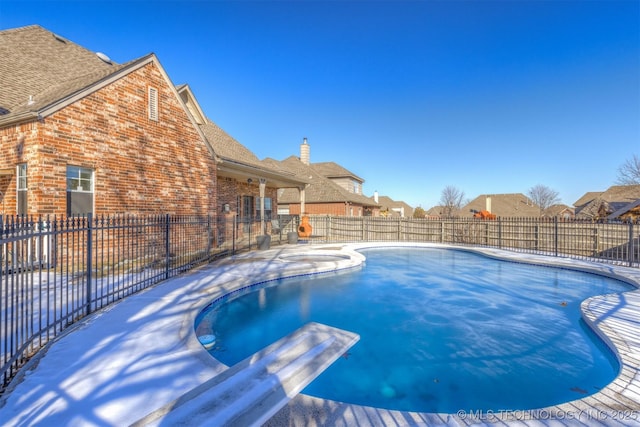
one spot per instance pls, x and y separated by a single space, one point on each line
451 330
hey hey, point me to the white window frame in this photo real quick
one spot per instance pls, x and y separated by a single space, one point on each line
22 185
80 179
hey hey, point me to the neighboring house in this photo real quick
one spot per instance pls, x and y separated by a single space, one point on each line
617 202
559 211
390 208
322 196
341 176
630 212
502 205
435 212
82 134
242 179
585 200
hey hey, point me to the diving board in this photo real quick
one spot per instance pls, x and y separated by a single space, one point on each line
253 390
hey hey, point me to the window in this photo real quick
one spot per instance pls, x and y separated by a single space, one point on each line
267 208
79 190
357 187
21 187
153 104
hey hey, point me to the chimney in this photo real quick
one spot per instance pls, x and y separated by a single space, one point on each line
304 151
375 196
488 203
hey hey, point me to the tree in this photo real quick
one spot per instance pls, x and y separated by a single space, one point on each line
419 212
543 196
451 200
629 172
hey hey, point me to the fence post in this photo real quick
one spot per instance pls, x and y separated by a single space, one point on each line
327 221
211 235
555 235
89 260
500 232
631 244
233 234
363 231
166 246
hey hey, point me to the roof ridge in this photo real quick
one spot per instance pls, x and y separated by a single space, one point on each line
23 28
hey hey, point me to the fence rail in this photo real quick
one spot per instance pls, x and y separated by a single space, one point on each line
613 242
55 271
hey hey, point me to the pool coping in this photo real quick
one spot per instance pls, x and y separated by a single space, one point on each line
72 381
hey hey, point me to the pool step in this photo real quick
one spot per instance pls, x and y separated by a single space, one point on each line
253 390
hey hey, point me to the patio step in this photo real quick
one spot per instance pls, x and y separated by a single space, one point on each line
253 390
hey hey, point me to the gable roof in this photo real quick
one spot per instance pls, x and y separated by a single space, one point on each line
334 170
43 72
237 161
393 207
435 211
504 205
631 210
226 147
557 210
587 197
44 59
191 103
610 201
39 67
320 188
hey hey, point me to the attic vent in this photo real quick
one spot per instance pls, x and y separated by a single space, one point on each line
153 104
60 38
104 57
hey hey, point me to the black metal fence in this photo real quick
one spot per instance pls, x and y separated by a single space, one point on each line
55 271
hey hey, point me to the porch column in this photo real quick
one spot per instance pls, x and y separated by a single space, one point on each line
302 199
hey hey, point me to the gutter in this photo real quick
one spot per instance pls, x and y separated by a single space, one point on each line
20 118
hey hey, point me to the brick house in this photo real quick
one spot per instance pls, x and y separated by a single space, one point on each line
246 186
390 208
332 190
560 211
81 134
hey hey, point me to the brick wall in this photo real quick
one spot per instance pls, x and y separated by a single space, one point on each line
13 151
229 189
140 165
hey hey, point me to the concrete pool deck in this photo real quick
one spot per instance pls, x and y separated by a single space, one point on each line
124 362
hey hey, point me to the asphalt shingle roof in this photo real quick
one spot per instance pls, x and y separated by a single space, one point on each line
612 200
504 205
334 170
320 189
226 146
587 197
388 204
39 67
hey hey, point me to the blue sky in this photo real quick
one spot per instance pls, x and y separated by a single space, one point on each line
412 96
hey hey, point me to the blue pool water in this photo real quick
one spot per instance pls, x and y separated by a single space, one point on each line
441 331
